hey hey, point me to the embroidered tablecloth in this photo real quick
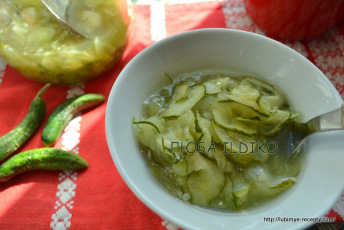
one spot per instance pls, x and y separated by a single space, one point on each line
97 198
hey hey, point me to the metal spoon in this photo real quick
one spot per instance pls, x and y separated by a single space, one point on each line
333 120
59 8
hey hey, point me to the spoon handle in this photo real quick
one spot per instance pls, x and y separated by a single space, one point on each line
329 121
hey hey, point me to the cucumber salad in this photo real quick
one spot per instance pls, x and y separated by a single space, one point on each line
217 139
36 44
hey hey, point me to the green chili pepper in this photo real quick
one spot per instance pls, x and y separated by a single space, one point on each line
11 141
40 159
65 112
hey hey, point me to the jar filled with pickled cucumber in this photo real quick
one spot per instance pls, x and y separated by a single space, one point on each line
39 46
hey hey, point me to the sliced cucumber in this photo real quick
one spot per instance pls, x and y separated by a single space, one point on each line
200 125
203 126
240 193
268 103
262 154
196 162
258 95
205 181
222 160
243 119
262 86
240 189
231 97
264 183
179 92
205 105
225 199
240 148
178 136
246 91
185 103
217 85
244 111
180 168
214 136
147 136
283 183
154 121
169 143
293 114
147 132
152 106
212 87
229 115
235 125
272 124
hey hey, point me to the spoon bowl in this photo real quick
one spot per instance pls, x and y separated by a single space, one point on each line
299 133
59 9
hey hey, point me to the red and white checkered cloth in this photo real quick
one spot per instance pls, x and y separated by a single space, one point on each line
97 198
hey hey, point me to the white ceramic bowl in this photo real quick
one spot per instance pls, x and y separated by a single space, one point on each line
306 87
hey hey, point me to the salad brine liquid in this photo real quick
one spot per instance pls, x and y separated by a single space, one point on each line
219 139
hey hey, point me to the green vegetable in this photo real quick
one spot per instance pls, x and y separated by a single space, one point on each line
185 101
236 117
209 132
65 112
205 180
284 182
236 144
40 159
273 124
11 141
239 194
217 85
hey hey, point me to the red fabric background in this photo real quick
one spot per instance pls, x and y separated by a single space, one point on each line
101 199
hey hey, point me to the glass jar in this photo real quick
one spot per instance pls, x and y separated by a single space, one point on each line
40 47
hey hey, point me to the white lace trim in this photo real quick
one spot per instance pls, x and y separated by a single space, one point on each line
3 66
61 218
157 21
